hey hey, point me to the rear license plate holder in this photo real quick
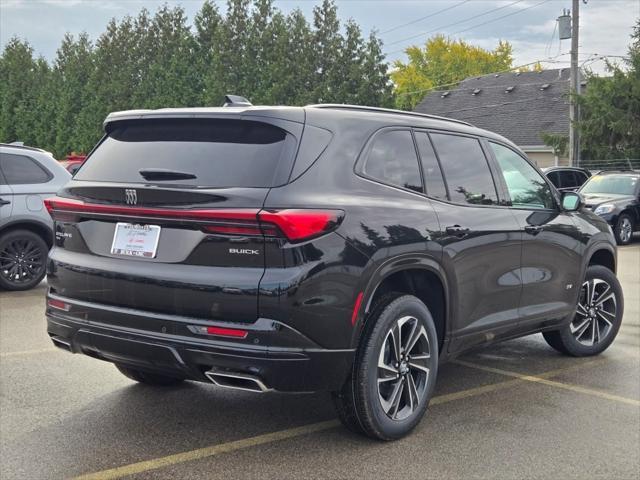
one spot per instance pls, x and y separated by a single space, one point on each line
135 240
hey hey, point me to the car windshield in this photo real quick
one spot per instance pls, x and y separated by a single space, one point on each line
611 184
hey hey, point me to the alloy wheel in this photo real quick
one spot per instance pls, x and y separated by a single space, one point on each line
404 363
21 260
626 230
596 312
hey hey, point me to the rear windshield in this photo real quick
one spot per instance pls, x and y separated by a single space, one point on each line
218 153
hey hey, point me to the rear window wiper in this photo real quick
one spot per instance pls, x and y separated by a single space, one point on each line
165 174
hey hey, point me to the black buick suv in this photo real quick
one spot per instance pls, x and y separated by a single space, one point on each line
327 247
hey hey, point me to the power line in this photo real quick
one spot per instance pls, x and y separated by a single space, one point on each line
500 18
437 87
455 23
425 17
547 50
547 60
522 100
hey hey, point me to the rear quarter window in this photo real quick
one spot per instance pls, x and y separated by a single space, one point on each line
391 158
219 153
22 170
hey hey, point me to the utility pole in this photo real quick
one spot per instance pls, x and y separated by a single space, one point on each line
574 140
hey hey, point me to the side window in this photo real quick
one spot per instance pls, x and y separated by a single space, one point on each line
555 179
569 179
392 159
22 170
526 186
433 180
465 169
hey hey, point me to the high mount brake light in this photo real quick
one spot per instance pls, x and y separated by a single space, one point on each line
296 225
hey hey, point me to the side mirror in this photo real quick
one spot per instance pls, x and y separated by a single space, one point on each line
572 201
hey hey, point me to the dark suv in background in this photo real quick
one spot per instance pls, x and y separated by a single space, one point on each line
327 247
615 196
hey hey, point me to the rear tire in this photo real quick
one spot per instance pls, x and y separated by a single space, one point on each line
148 378
394 371
23 256
623 230
597 319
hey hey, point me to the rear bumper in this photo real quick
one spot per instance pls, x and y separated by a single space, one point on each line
280 357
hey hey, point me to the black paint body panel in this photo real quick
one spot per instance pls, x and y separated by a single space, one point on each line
498 280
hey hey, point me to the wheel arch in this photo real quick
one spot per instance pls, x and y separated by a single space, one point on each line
603 254
420 276
39 228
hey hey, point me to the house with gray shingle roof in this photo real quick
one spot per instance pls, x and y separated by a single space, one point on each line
520 106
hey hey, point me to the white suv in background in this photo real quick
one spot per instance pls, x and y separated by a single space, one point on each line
27 176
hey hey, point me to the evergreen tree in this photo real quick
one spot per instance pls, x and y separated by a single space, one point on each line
328 44
609 123
153 61
375 86
18 70
168 75
71 67
208 27
114 80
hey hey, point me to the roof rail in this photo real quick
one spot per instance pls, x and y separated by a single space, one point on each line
386 110
21 146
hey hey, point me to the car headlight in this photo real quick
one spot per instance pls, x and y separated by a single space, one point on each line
602 209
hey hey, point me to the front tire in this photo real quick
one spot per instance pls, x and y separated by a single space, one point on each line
623 230
148 378
597 318
394 372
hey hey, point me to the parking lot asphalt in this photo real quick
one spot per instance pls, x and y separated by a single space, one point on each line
517 410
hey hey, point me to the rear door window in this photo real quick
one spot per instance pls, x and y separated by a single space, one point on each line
466 170
209 152
433 180
22 170
392 159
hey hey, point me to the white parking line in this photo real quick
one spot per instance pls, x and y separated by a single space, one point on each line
541 379
214 450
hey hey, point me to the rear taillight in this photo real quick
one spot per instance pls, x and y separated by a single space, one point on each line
294 224
299 225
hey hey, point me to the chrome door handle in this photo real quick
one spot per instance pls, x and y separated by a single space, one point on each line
4 202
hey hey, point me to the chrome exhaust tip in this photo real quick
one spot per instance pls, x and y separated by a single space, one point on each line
63 344
237 381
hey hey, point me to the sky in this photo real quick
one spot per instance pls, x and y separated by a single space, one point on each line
529 25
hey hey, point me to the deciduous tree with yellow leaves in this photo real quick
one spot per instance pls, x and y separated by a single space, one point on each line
444 61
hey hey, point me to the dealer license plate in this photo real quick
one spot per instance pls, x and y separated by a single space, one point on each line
135 240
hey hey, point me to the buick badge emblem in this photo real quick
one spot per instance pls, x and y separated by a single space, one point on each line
130 196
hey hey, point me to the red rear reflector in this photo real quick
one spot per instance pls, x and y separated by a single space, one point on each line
299 225
356 308
227 332
58 304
